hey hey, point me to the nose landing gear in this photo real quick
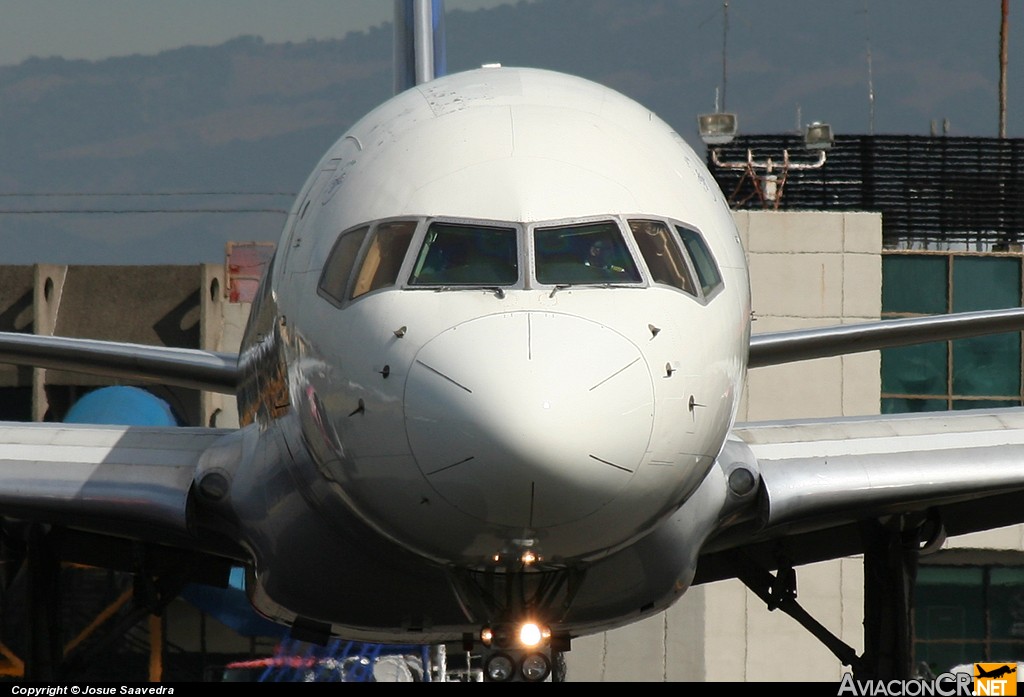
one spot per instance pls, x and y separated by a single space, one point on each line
524 652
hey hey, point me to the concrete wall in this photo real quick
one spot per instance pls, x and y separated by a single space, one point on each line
182 306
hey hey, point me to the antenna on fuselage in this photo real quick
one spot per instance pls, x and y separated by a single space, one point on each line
419 42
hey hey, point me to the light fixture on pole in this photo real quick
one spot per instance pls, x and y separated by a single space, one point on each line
718 128
818 136
769 185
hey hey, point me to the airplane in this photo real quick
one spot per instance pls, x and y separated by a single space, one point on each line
444 403
995 672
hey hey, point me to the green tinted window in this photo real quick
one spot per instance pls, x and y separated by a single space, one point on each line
949 616
703 262
591 253
987 365
908 405
914 284
915 370
1006 591
968 614
467 255
985 283
975 373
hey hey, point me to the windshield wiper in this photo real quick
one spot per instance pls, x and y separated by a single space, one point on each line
497 290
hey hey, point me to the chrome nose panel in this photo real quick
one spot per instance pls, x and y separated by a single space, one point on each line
530 419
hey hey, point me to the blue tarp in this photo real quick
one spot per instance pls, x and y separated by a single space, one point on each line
231 607
127 406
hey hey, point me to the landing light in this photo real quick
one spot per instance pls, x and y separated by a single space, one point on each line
530 634
535 667
500 667
507 636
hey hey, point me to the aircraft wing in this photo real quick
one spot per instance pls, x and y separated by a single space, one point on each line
818 479
803 344
110 483
120 480
193 368
115 491
957 471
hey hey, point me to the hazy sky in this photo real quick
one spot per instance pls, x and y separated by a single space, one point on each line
95 29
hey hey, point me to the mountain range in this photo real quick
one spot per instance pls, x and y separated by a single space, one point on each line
164 158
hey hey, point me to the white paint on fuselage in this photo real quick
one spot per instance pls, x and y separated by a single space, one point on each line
519 147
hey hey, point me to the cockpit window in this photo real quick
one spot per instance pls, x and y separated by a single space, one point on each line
384 255
467 255
590 253
707 271
664 259
338 268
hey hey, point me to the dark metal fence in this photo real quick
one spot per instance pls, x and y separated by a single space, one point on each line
930 190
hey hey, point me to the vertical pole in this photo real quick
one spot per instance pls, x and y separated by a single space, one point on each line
419 50
725 36
43 604
890 572
1004 30
423 41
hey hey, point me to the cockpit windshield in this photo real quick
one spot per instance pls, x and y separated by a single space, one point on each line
468 254
461 255
590 253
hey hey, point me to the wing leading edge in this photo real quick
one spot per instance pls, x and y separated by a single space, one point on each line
115 482
959 472
820 480
125 481
776 348
192 368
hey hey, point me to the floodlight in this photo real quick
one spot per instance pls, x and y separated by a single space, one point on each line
718 128
818 136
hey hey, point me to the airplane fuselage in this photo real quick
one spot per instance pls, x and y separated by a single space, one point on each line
462 376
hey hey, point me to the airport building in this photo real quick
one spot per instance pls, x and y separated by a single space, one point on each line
886 227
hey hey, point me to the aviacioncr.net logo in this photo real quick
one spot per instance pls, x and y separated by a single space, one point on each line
946 685
995 679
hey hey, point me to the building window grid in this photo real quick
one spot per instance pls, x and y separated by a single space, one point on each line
950 398
969 645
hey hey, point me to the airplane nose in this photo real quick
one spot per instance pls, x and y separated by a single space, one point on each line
529 419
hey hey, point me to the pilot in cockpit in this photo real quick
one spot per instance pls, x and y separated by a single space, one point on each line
595 255
599 257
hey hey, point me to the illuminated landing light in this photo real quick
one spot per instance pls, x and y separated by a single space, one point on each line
530 634
527 635
528 558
